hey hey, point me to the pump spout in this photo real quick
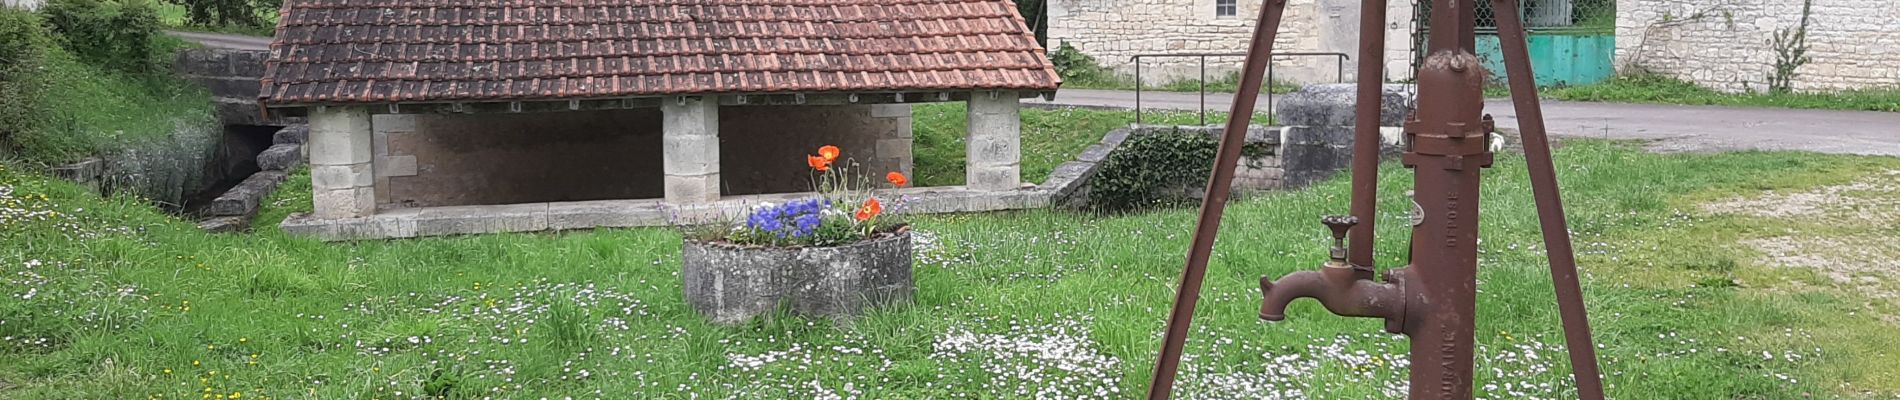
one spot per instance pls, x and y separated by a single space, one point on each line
1335 287
1341 287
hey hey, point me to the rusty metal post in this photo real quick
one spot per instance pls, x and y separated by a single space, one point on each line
1550 207
1433 301
1219 186
1366 139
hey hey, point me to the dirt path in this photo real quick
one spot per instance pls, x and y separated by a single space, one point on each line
1844 232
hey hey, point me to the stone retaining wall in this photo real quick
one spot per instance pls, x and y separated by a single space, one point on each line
1726 45
1112 31
232 77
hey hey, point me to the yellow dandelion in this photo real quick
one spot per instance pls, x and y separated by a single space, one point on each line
243 339
194 363
168 371
237 394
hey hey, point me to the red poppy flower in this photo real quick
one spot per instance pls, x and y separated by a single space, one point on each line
818 163
830 153
897 178
870 209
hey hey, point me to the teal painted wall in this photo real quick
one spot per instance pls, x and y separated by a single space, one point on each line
1557 58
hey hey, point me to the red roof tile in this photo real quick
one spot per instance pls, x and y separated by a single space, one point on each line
382 51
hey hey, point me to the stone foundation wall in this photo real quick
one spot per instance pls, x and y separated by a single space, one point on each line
1112 31
486 159
231 76
1726 45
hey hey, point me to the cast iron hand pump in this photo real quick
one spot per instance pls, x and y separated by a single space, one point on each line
1433 301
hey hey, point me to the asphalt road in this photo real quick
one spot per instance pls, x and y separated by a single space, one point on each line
1670 127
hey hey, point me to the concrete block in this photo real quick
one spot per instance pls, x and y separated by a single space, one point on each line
1115 138
85 171
1333 105
392 226
340 136
904 128
890 111
388 166
606 214
690 155
332 177
690 116
467 220
280 157
692 189
994 124
994 177
294 134
390 123
242 200
226 224
894 148
344 203
994 103
1095 153
993 150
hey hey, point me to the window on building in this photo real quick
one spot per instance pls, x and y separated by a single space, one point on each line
1226 8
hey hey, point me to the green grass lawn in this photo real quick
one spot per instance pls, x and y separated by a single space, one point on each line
111 299
1657 89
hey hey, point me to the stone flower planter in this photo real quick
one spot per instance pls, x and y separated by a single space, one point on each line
732 284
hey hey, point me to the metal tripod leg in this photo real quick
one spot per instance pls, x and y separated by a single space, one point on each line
1366 138
1218 187
1550 209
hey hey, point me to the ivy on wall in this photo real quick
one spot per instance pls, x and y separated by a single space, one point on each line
1151 170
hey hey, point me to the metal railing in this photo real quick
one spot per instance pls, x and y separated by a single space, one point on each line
1341 58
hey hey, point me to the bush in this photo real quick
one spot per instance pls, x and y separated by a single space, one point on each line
1158 169
1139 173
226 12
115 34
1080 70
23 44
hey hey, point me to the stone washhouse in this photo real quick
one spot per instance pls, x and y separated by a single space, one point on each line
458 116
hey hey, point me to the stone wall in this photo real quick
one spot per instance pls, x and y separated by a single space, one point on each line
1726 44
232 77
485 159
1112 31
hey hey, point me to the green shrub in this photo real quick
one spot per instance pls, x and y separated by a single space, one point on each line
1137 174
1157 169
1081 70
116 34
22 37
23 44
226 12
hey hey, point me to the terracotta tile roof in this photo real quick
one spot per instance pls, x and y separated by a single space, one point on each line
383 51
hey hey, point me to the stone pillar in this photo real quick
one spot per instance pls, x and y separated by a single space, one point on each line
341 177
893 126
993 145
691 149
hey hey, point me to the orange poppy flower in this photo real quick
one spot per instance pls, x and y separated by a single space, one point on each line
818 163
897 178
830 153
870 209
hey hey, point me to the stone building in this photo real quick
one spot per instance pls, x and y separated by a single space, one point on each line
26 4
446 117
1113 31
1729 45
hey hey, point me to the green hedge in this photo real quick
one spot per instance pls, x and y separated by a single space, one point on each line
116 34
